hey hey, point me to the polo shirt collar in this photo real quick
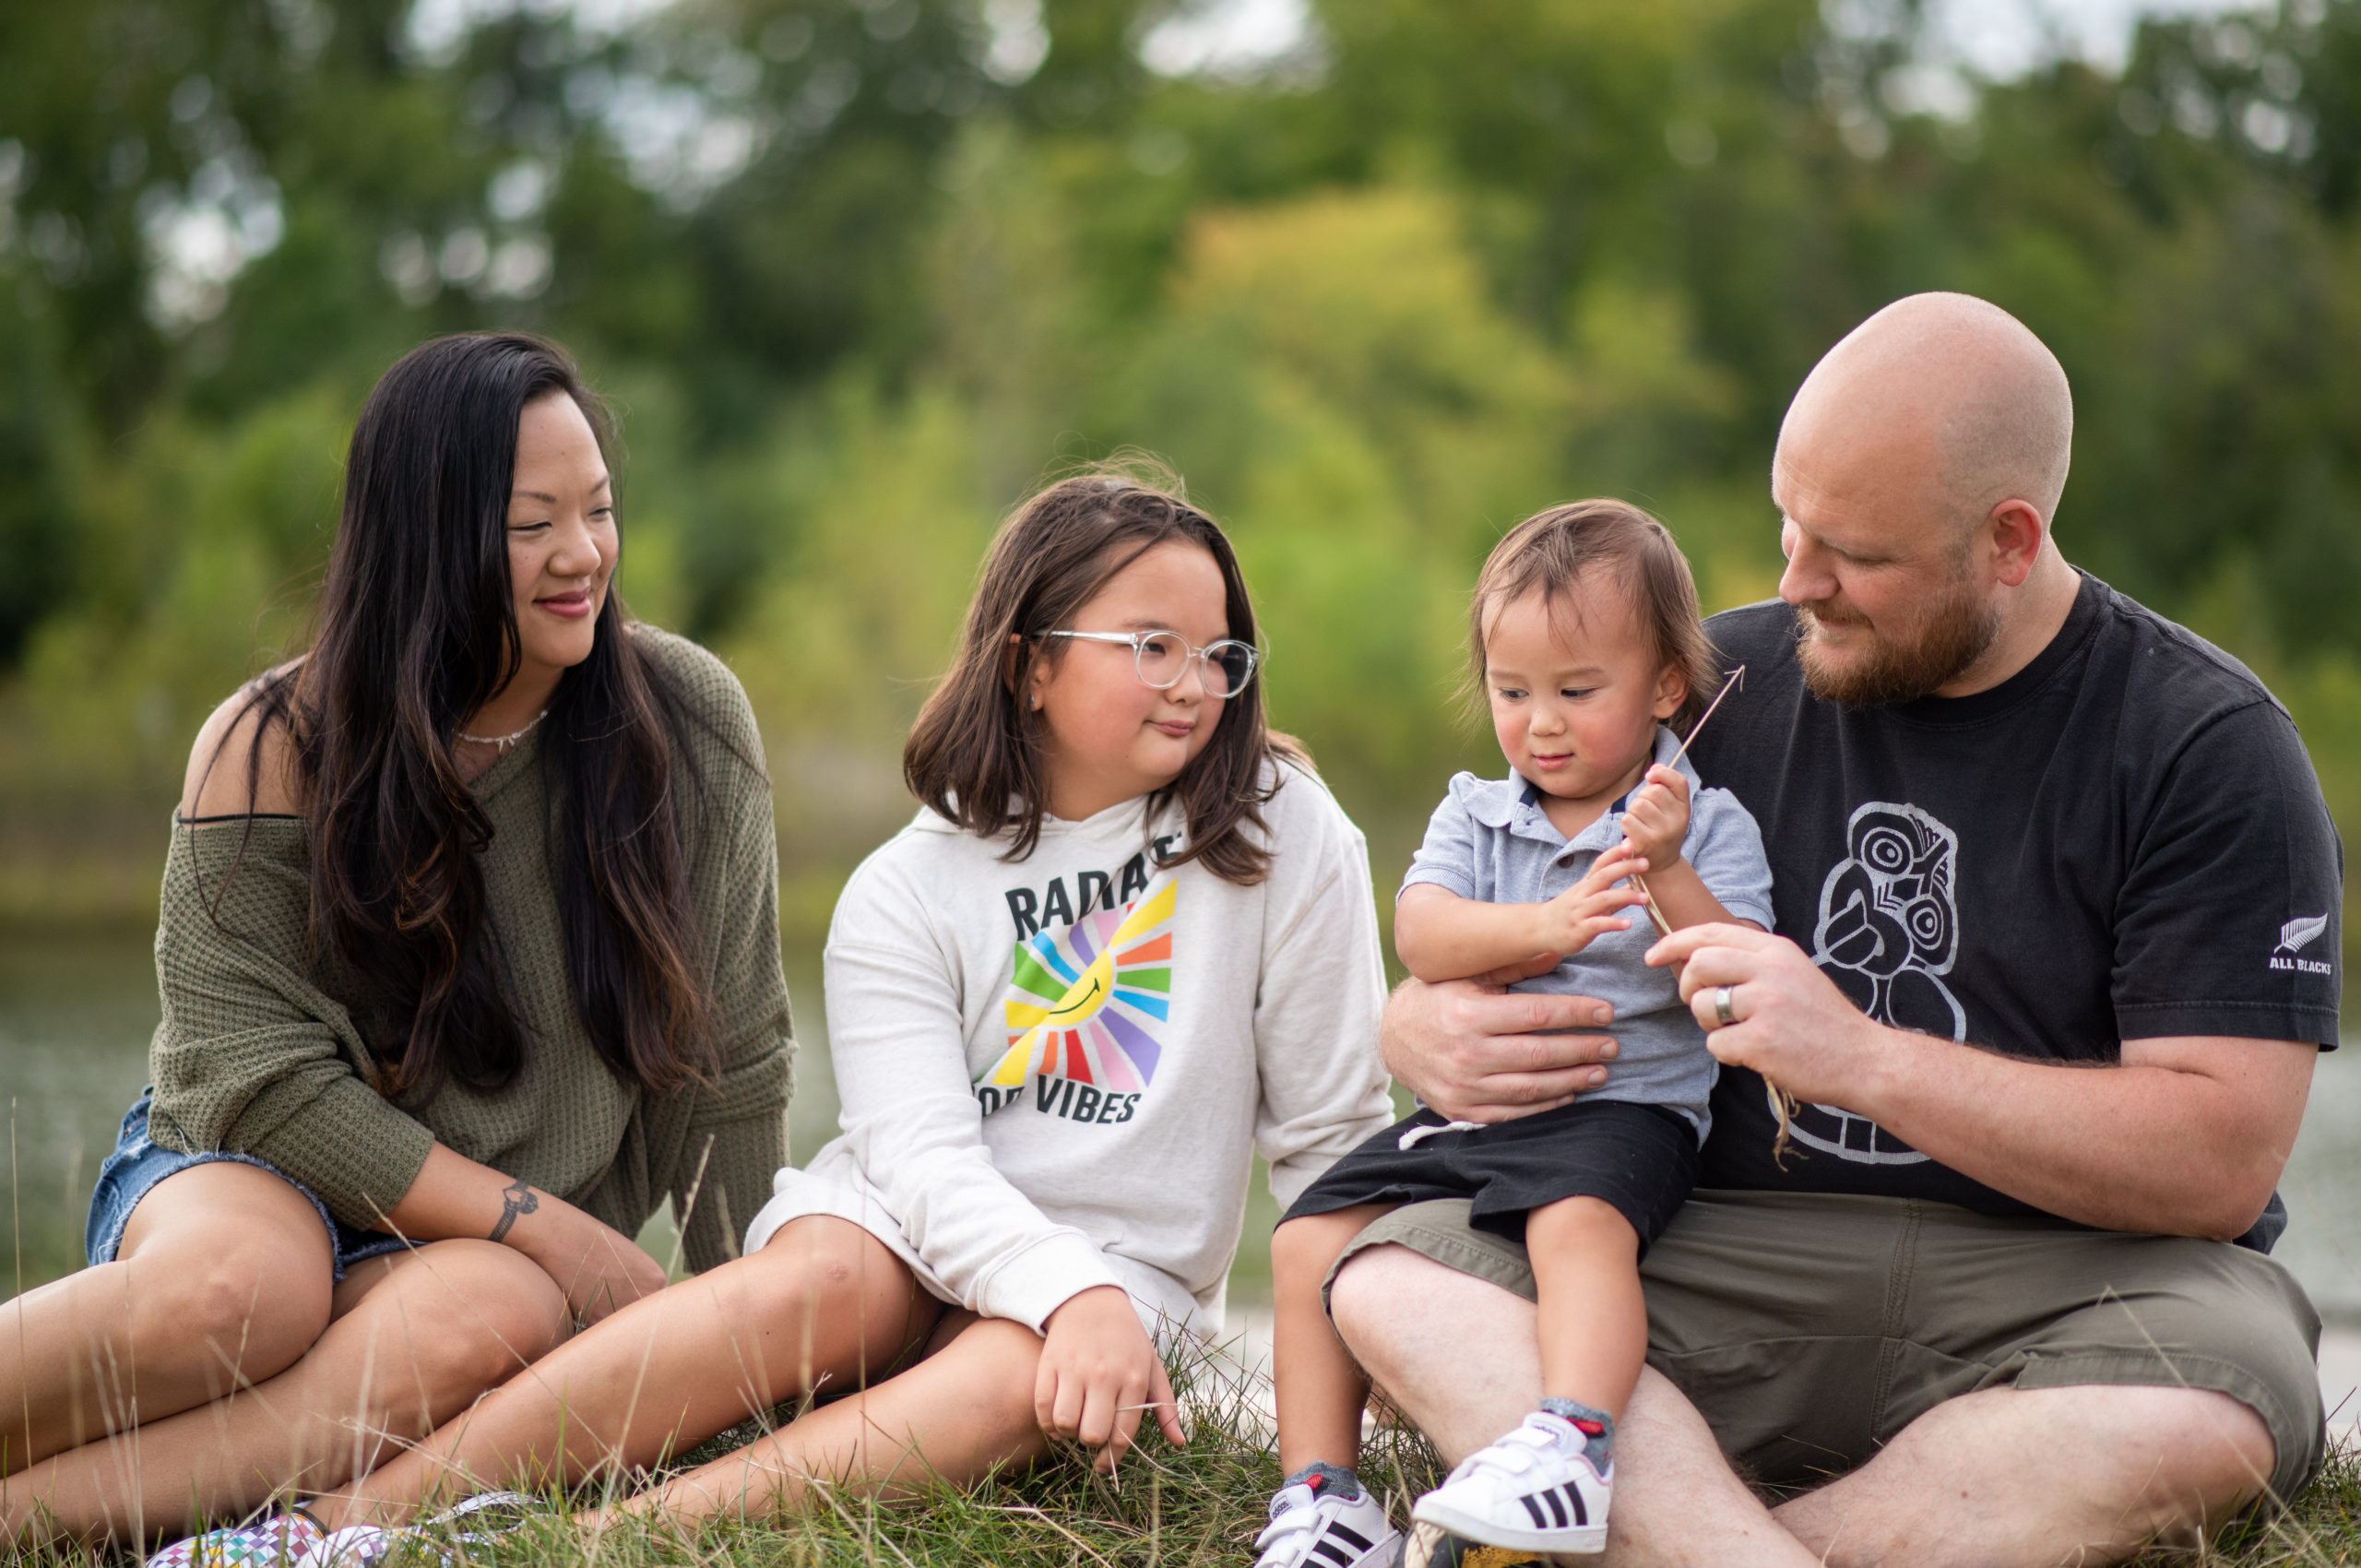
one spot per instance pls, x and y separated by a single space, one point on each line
1514 805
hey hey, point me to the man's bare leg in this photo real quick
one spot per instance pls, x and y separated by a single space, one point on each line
2041 1477
1462 1359
2087 1474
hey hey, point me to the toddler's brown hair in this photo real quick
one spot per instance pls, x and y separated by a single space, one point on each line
1550 551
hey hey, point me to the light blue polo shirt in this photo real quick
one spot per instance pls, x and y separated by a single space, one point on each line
1490 841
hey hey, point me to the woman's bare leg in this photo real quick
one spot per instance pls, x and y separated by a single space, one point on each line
223 1280
414 1338
822 1305
965 1410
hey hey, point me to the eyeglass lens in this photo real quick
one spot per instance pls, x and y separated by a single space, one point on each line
1229 664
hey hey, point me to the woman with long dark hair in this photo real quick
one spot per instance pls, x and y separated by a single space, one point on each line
469 960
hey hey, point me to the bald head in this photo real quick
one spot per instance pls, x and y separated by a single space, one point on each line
1951 387
1918 471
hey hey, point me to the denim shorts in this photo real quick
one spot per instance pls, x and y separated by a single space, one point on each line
138 1163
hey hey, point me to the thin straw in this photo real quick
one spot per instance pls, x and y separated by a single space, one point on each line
1640 884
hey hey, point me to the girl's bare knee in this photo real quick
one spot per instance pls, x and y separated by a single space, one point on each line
822 1273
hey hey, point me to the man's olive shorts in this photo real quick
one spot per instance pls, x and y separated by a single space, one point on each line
1808 1328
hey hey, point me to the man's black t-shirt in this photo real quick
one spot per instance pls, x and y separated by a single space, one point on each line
2124 840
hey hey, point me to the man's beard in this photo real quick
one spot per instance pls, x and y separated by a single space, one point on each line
1954 633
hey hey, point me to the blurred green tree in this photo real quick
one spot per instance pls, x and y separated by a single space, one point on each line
861 271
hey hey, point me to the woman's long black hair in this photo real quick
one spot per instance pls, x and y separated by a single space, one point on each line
416 631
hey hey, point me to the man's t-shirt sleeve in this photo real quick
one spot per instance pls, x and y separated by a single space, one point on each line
2230 917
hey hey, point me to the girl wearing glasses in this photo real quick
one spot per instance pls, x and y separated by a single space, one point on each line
1128 942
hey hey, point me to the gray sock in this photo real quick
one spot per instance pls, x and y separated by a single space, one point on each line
1326 1480
1594 1424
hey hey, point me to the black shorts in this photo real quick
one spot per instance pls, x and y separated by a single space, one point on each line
1641 1159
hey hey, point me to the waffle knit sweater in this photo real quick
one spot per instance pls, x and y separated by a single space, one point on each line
267 1049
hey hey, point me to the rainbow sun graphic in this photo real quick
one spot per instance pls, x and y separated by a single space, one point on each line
1087 1003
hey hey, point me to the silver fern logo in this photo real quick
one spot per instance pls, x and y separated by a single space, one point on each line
2296 935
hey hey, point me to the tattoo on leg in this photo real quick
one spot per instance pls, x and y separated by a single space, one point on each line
515 1199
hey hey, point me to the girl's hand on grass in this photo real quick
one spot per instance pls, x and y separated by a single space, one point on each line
1099 1372
1590 908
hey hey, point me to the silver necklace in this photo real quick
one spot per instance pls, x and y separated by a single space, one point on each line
499 743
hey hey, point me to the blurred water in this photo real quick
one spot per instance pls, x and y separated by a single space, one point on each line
2322 1246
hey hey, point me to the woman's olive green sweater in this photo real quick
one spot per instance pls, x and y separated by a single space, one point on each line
267 1048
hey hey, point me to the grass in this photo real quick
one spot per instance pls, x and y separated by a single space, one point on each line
1199 1504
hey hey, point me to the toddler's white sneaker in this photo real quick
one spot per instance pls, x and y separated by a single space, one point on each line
1314 1524
1537 1489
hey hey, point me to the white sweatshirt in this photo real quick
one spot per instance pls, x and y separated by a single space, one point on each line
1052 1071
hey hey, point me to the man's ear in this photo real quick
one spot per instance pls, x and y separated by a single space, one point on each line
2015 531
1672 690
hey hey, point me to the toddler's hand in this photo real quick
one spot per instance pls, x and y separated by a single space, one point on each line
1098 1374
1655 824
1568 922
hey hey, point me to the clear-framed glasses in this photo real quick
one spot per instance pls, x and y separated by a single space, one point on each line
1162 658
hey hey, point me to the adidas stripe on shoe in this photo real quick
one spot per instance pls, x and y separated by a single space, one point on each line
1316 1526
1536 1489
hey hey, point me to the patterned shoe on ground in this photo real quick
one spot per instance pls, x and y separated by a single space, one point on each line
486 1516
433 1543
366 1545
1317 1525
1534 1488
279 1541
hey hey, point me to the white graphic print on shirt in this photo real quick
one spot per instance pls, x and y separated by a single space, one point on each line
1888 933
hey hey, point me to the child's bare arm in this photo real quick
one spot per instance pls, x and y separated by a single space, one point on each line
1655 824
1441 936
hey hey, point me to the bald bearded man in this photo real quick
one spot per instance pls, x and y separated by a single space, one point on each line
2055 951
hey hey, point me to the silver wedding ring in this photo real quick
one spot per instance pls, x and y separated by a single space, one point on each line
1722 1004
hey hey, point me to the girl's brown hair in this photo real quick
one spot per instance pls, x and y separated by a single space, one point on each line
1550 551
975 755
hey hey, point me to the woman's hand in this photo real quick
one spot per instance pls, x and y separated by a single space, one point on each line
598 1268
1098 1372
